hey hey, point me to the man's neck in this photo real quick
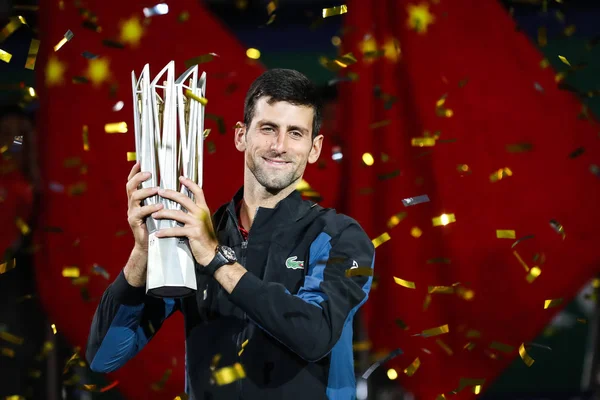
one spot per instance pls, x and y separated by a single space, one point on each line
256 196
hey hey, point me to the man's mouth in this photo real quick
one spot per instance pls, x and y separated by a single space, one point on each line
275 162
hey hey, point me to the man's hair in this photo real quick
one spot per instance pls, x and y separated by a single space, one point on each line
284 85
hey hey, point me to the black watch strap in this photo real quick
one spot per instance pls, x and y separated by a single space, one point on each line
219 260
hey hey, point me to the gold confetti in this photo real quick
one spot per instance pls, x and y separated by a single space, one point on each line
338 10
505 348
444 346
131 156
243 347
533 274
361 271
14 24
521 260
34 47
465 293
466 382
395 219
406 284
5 56
401 324
190 95
23 227
542 36
426 302
441 397
443 220
524 356
436 331
499 174
272 6
227 375
552 303
253 53
158 386
70 272
116 127
519 147
9 337
505 234
422 142
558 228
7 266
67 37
362 346
381 239
53 326
469 346
564 60
86 143
413 367
440 289
7 352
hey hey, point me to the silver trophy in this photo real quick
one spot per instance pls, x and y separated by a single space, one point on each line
168 115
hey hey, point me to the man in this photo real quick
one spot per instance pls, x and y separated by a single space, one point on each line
274 290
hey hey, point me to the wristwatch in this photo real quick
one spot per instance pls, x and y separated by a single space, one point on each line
224 255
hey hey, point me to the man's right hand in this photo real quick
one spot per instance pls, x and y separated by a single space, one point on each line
135 269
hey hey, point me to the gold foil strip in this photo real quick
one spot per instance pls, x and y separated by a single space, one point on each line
440 289
34 47
131 156
443 219
505 234
440 330
533 274
524 356
499 174
10 338
22 225
381 239
243 347
422 142
564 60
426 302
413 367
552 303
67 37
444 346
116 127
84 135
395 219
190 95
13 24
5 56
338 10
8 265
521 260
466 382
360 271
406 284
505 348
227 375
70 272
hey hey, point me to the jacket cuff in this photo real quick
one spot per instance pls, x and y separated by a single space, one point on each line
126 294
246 289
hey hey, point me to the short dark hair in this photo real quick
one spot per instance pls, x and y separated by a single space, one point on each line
284 85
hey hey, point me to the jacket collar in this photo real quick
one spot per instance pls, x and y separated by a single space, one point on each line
290 209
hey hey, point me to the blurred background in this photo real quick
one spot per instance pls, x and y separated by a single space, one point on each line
488 107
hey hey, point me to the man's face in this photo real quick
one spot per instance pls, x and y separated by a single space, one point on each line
278 144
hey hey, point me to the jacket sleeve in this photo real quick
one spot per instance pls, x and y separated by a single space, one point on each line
125 320
311 321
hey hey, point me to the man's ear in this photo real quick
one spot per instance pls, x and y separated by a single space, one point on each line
315 151
240 136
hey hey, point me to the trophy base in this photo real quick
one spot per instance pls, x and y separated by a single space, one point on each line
171 267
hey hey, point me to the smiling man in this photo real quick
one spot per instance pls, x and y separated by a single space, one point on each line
279 278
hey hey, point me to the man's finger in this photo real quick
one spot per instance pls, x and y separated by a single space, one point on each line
136 181
173 232
134 170
142 194
145 211
196 190
180 198
176 215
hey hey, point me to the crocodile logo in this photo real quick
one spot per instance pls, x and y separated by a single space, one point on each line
291 263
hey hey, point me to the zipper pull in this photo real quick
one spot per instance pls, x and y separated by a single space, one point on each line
245 244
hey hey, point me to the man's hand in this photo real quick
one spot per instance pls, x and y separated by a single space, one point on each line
197 222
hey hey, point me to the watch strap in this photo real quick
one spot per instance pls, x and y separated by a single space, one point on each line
217 262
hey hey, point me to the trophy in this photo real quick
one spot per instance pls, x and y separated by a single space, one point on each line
168 117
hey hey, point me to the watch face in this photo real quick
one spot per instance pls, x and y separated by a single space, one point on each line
228 253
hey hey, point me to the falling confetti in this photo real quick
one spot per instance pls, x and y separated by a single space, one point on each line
558 228
227 375
440 289
395 219
190 95
253 54
412 201
159 9
70 272
380 362
67 37
338 10
505 348
440 330
552 303
361 271
523 263
34 47
505 234
406 284
564 60
5 56
443 220
499 174
422 142
13 24
116 127
413 367
533 274
524 356
444 346
381 239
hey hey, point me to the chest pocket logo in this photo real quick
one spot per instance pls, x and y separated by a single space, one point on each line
291 263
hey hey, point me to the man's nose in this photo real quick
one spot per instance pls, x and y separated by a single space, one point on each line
279 142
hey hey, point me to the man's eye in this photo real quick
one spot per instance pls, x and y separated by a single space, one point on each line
296 133
267 129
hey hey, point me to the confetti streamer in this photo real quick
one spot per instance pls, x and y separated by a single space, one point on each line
524 356
406 284
70 272
422 142
8 265
67 37
227 375
412 201
381 239
505 234
522 239
116 127
440 330
376 365
159 9
23 227
131 156
552 303
13 24
499 174
533 274
413 367
466 382
505 348
564 60
338 10
34 47
86 143
361 271
10 338
5 56
190 95
558 228
443 220
243 347
158 386
521 261
444 346
440 289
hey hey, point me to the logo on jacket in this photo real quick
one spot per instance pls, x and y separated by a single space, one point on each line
354 264
291 263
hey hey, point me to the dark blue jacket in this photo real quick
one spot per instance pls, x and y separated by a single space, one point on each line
285 332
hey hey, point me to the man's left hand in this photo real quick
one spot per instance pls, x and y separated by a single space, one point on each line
197 221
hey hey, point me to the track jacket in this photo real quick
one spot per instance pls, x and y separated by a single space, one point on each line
285 331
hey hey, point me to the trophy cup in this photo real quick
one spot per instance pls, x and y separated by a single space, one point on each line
169 137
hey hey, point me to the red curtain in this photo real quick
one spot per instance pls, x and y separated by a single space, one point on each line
468 79
84 217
